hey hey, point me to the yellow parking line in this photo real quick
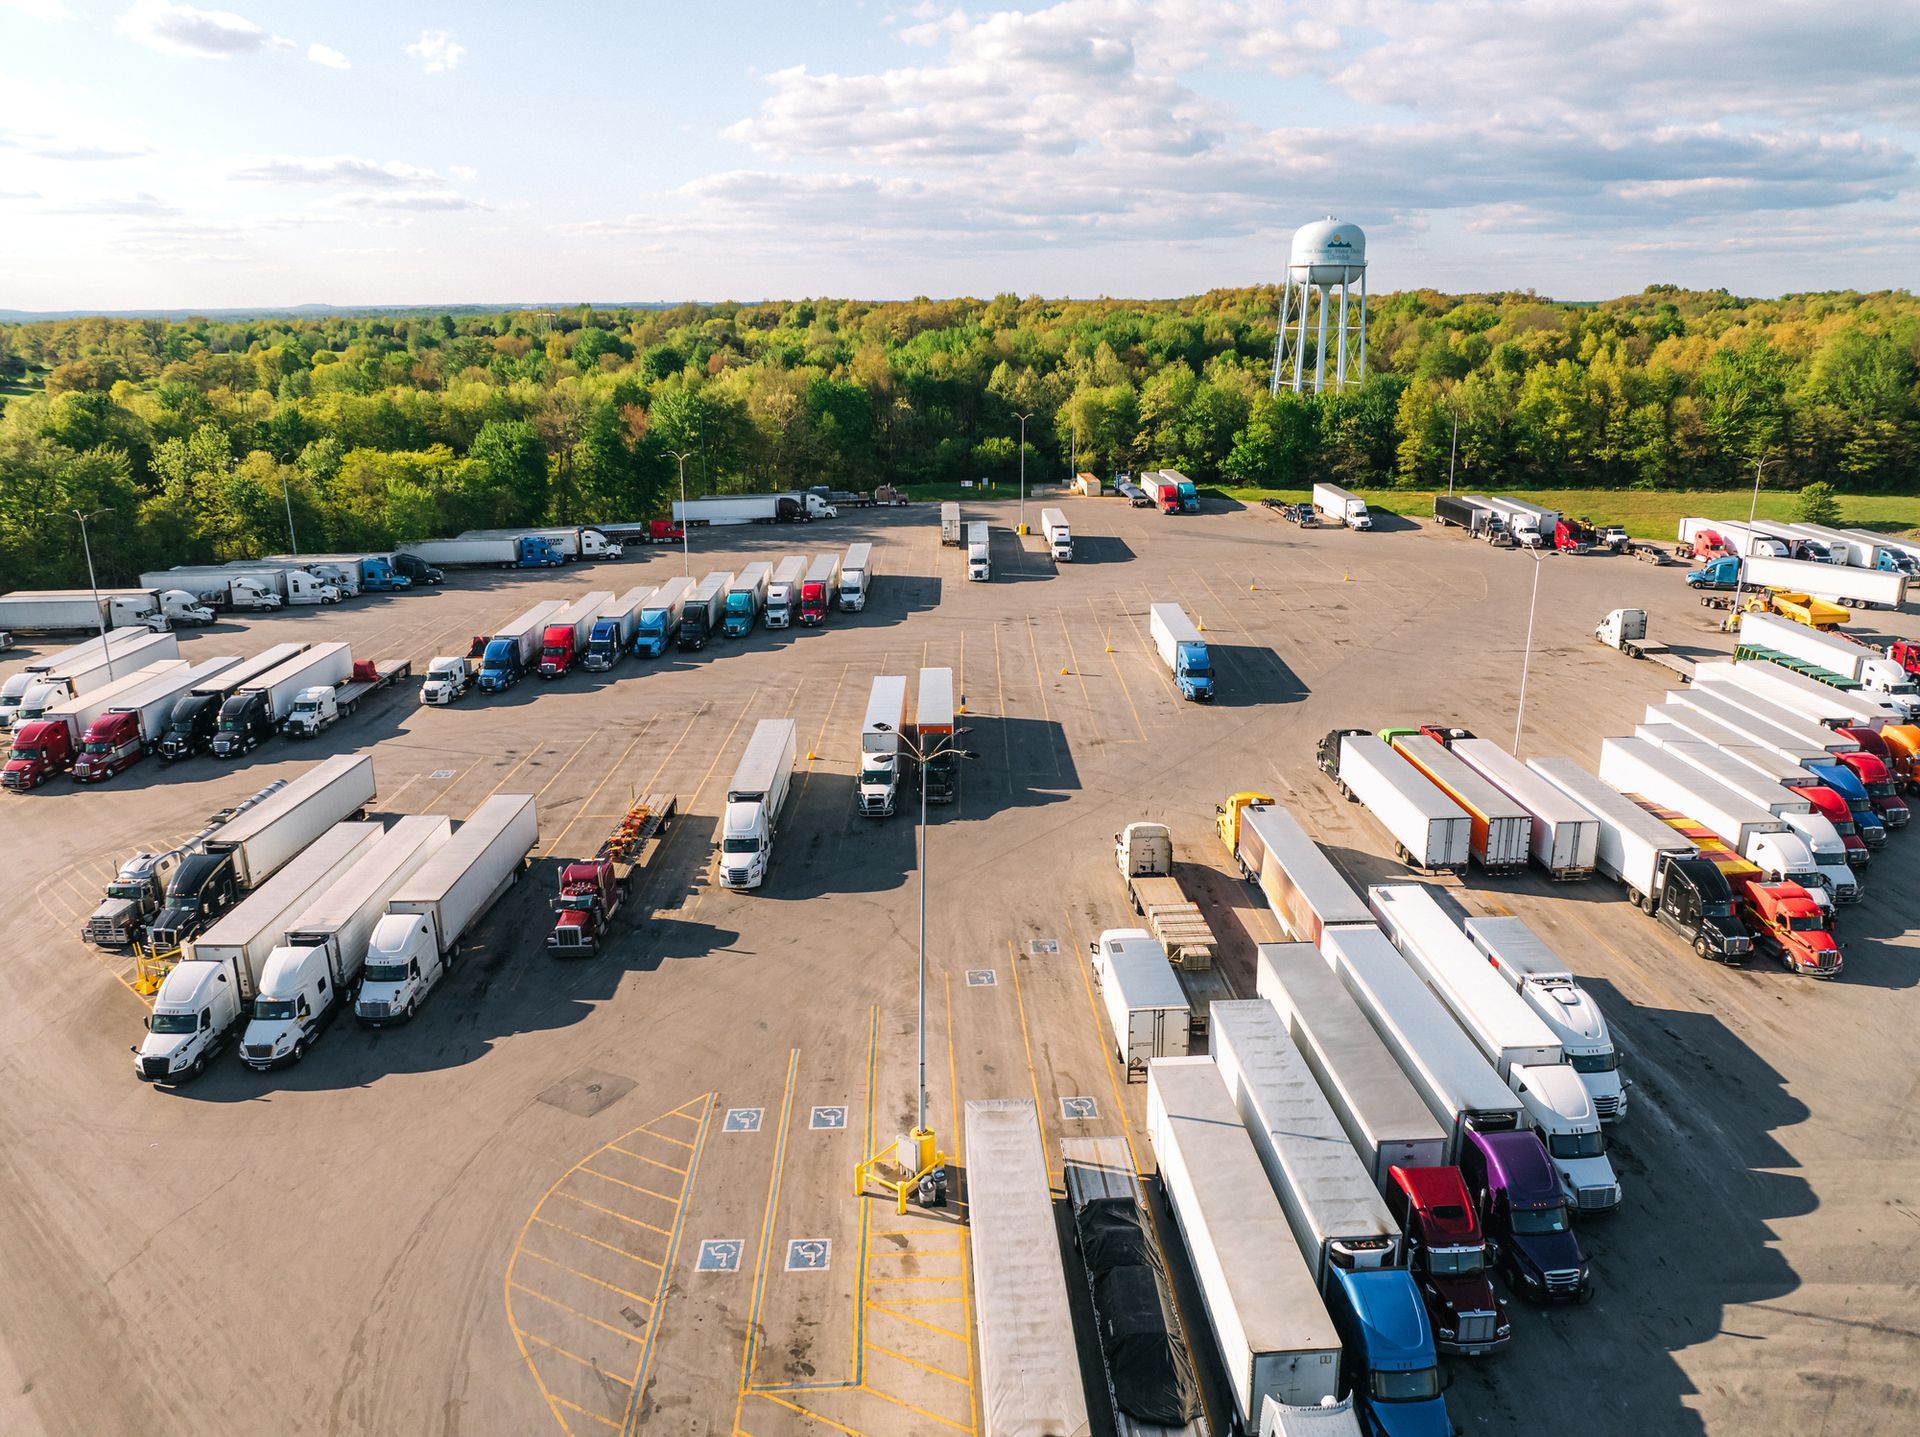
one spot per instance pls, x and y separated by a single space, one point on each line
909 1252
673 1247
549 1222
918 1322
645 1159
576 1407
824 1421
611 1213
966 1266
1033 1076
633 1187
922 1301
930 1416
766 1235
542 1297
915 1362
584 1277
599 1371
677 1142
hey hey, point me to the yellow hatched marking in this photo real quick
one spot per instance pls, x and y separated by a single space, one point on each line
813 1416
611 1213
554 1301
576 1357
584 1277
576 1407
549 1222
645 1159
915 1362
632 1187
918 1322
930 1416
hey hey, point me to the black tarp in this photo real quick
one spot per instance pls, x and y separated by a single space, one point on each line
1147 1365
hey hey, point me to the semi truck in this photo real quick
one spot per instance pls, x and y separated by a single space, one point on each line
1626 630
613 631
315 969
1182 650
528 551
570 541
1143 1353
250 585
979 552
50 744
196 714
1565 836
1836 583
1430 831
660 616
1894 703
319 708
136 723
251 847
450 678
819 587
1662 872
1165 492
69 673
63 611
1306 891
369 573
563 638
1523 960
746 597
1560 1112
1385 1120
754 801
1476 515
1029 1366
722 509
1531 525
594 890
700 613
514 649
1146 1006
1501 831
1869 668
1341 506
415 943
856 577
1059 536
881 754
934 735
204 998
783 590
1143 852
255 711
1272 1330
951 535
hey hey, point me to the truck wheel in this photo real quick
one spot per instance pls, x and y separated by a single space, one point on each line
407 1012
199 1066
1701 947
299 1051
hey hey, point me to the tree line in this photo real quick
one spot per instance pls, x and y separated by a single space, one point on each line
208 439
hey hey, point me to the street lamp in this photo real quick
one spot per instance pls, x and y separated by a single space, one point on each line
686 554
1023 418
1453 448
1526 655
927 1155
1753 508
105 651
287 495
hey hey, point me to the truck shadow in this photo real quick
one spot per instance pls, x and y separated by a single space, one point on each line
1022 763
1388 523
1101 549
1245 675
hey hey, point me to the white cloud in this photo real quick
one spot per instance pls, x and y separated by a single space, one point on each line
421 200
328 56
39 9
463 172
142 204
437 51
334 170
197 34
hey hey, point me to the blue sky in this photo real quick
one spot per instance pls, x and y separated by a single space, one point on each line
157 155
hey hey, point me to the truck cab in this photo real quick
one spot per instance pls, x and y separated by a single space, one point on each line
193 1015
1901 750
1833 808
742 609
449 678
1866 821
1388 1351
605 646
1789 924
1877 780
191 726
1696 903
1166 495
530 551
403 963
132 898
1448 1259
500 666
746 843
245 723
203 888
418 570
1523 1214
557 650
313 710
1193 672
295 1000
1562 1115
112 742
591 892
1721 573
1189 499
41 748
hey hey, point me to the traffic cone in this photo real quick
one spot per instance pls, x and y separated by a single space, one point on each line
1063 670
1346 578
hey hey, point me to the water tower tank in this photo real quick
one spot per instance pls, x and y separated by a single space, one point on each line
1326 251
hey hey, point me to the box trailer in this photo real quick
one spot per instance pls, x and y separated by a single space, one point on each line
255 711
1385 1120
1810 698
755 799
1836 583
1342 506
1502 831
1530 524
136 722
471 870
1182 650
1058 534
1637 767
1771 724
783 591
72 672
701 613
613 629
1029 1367
933 728
1306 891
951 531
1263 1307
877 785
1565 835
1430 831
526 552
59 611
856 577
1507 1031
1146 1006
563 638
1448 1071
979 552
1727 727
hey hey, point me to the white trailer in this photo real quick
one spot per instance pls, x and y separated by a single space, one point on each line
1263 1306
1869 668
1305 890
263 838
979 557
104 754
1341 506
77 715
1335 1211
950 528
856 577
558 651
1146 1006
322 666
1029 1367
1545 983
1637 767
1445 1066
1506 1031
246 587
1502 830
1634 847
56 611
1822 703
1531 524
74 671
1837 583
881 754
477 552
1565 835
613 630
1385 1120
720 509
1059 536
783 591
1772 725
1182 649
754 800
1704 717
1430 831
316 966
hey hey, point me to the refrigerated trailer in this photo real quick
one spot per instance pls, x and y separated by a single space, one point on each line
1385 1120
1564 836
1146 1006
1029 1366
1430 831
1502 830
1306 891
254 712
1785 730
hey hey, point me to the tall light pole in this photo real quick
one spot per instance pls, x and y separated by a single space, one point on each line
1453 448
686 553
1753 509
287 494
1023 418
1526 655
106 651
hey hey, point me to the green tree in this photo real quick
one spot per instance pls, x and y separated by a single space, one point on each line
1817 504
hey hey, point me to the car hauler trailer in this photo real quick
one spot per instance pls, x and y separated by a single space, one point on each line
1306 891
1029 1366
1430 831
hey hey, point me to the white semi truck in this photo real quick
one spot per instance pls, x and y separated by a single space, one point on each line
754 800
882 754
1541 977
783 591
979 559
1059 535
856 577
70 672
1342 506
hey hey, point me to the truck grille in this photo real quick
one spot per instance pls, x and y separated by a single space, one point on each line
1477 1327
736 877
105 933
373 1010
1564 1282
153 1068
256 1050
1847 893
566 938
1607 1107
1599 1199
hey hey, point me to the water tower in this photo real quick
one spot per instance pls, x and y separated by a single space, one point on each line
1327 255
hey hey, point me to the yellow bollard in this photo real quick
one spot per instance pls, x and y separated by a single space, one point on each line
1346 578
1063 670
811 756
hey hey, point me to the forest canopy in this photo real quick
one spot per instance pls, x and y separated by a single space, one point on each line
197 437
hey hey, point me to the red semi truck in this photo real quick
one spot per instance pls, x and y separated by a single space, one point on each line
594 890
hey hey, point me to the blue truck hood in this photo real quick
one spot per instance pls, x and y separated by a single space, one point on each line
1393 1320
1840 779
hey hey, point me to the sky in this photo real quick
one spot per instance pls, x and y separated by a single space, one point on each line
162 155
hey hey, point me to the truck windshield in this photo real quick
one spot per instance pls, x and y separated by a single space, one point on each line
1578 1145
1805 923
740 845
1539 1222
1594 1062
97 746
876 775
1199 671
307 706
273 1010
173 1023
1881 790
128 892
1421 1386
386 973
1456 1261
554 651
739 603
1713 908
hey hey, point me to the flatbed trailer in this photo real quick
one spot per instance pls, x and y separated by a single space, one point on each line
1176 920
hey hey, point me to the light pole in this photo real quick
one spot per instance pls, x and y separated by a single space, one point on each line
1023 418
1526 655
106 652
1453 448
686 554
1753 509
287 495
